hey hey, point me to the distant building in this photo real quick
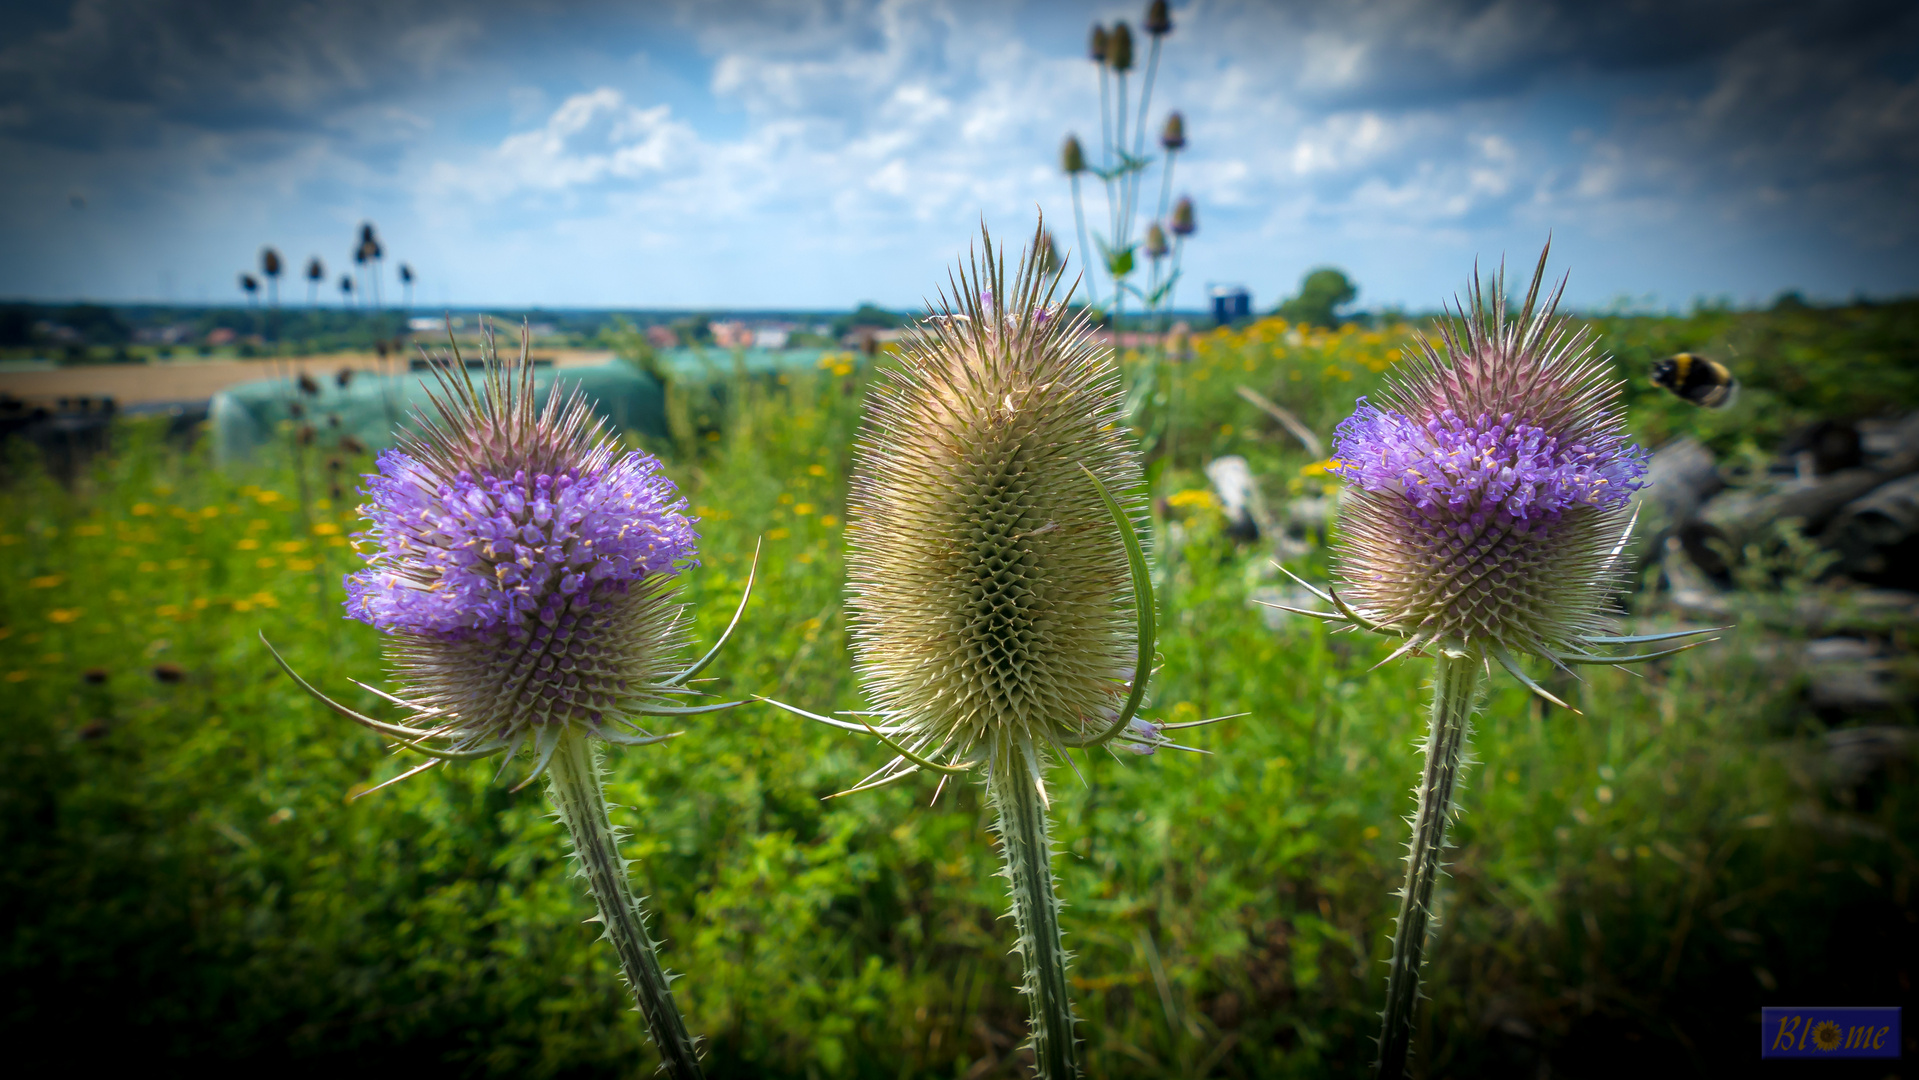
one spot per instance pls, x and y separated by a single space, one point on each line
662 337
430 324
771 337
730 334
1231 303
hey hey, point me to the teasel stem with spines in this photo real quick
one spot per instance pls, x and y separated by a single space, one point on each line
1014 788
1455 685
573 782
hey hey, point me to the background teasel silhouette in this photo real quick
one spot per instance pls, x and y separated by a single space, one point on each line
525 571
1000 608
1489 510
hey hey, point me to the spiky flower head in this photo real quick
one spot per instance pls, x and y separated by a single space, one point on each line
1119 48
1072 158
1173 135
523 568
1156 246
1491 485
1159 20
1184 222
1096 44
991 598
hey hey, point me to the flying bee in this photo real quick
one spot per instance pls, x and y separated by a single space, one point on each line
1703 382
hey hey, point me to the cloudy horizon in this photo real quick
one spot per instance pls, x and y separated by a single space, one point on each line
796 154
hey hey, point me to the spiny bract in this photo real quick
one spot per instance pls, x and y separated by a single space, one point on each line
1491 485
991 593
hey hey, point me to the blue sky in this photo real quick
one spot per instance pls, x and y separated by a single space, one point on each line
817 153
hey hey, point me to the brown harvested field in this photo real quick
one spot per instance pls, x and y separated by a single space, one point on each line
198 380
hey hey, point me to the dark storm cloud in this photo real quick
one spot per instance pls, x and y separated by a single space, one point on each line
1406 53
113 72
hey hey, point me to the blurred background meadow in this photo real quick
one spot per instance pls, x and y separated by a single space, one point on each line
191 884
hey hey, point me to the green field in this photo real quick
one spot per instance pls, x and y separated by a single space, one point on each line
186 883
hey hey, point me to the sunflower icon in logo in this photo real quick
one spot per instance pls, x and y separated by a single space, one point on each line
1826 1035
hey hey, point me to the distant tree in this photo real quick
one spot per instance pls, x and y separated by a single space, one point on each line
1322 292
868 315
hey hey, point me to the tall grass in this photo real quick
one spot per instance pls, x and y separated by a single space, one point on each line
183 867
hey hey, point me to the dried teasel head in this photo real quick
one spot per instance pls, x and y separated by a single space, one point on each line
1159 19
1119 48
1072 158
1183 222
1173 135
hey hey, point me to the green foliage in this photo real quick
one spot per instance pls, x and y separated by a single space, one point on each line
1321 293
186 880
868 315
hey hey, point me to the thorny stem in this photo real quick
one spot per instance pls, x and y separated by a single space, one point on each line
1456 681
1013 784
573 782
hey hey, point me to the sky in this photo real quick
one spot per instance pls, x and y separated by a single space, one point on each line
818 153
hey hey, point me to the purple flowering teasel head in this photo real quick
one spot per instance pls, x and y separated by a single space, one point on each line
524 569
1491 486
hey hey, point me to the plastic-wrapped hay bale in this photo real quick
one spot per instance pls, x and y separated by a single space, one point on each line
371 408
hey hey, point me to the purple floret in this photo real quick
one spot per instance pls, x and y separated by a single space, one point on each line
485 553
1449 466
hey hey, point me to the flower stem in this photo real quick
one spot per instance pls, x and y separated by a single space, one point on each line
1456 680
573 781
1013 784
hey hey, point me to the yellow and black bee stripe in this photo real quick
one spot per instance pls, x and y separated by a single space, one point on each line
1698 379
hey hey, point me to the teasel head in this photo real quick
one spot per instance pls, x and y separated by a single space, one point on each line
1159 19
524 570
1183 222
1490 490
1173 135
1072 158
1156 245
1097 43
999 598
1119 48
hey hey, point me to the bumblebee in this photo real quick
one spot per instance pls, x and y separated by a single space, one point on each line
1703 382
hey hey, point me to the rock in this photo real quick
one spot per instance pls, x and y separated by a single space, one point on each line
1681 476
1854 754
1877 535
1232 480
1849 675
